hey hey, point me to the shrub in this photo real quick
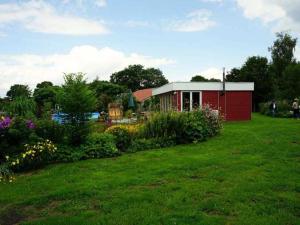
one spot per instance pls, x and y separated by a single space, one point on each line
214 121
100 145
6 175
141 144
49 129
21 106
164 125
283 109
34 156
67 153
14 134
123 137
185 127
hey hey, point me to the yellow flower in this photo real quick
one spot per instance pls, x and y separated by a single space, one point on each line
13 163
7 157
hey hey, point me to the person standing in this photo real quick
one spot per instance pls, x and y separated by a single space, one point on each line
272 108
295 107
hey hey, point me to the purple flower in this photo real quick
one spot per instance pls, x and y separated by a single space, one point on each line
30 124
5 123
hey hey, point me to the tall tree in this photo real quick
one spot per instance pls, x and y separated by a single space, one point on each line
282 52
106 92
18 90
77 100
256 69
291 82
198 78
234 75
45 93
136 77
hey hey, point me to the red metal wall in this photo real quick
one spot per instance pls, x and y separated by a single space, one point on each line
233 105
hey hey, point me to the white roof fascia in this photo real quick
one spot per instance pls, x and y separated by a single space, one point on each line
204 86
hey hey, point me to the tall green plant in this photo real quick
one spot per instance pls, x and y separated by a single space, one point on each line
77 102
21 106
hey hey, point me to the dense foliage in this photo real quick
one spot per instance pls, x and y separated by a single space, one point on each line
77 102
18 90
278 79
100 145
199 78
136 77
184 127
283 109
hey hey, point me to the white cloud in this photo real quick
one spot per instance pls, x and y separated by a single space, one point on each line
100 3
39 16
137 23
212 73
31 69
281 15
213 1
198 20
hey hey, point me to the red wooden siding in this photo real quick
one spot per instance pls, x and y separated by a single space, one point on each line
210 98
238 105
233 105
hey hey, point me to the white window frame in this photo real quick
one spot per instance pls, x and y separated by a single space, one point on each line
191 99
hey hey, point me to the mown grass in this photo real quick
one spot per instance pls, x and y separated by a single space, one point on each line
249 174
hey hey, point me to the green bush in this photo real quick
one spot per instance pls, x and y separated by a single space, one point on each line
123 137
6 175
283 109
185 127
21 106
49 129
67 153
33 156
13 137
100 145
141 144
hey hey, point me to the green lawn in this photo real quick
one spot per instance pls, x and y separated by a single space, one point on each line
250 174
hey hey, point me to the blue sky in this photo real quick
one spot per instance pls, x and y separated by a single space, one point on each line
39 39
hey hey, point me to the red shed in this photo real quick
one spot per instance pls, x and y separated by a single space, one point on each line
233 99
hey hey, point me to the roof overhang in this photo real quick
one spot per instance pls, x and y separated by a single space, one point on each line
204 86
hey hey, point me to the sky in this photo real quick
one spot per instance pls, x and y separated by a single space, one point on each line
43 39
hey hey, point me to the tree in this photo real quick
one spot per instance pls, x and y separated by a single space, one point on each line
45 94
106 93
77 100
256 69
21 106
199 78
135 77
234 75
282 52
18 90
291 82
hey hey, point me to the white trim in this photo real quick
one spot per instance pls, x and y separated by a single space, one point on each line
204 86
191 101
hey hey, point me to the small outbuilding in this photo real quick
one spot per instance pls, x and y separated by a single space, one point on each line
232 99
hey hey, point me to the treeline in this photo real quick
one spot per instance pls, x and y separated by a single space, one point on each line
46 96
277 79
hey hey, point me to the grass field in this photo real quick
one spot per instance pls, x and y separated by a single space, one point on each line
250 174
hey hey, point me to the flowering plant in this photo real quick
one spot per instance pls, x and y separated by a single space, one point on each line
34 155
5 122
30 124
